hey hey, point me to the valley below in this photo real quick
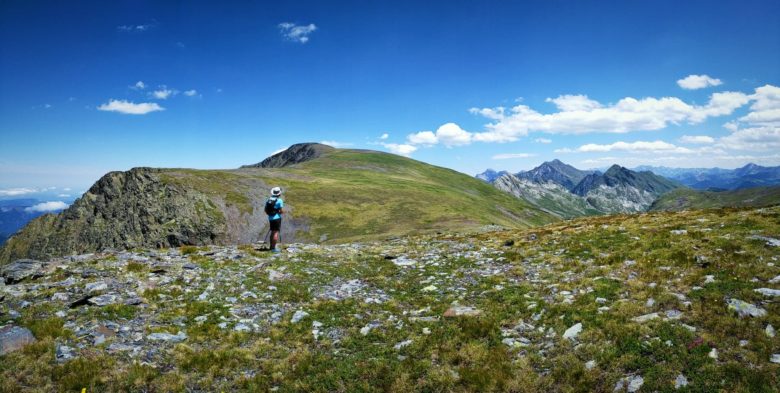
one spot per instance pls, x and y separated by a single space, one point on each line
663 301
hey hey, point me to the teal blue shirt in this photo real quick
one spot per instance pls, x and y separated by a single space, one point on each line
278 206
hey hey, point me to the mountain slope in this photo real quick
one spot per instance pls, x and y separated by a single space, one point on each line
621 190
686 199
490 175
295 154
343 194
548 196
557 172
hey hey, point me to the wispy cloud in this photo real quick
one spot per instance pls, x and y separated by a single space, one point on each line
163 93
543 140
191 93
130 108
45 207
507 156
17 191
694 82
296 33
137 28
638 146
384 136
140 85
697 139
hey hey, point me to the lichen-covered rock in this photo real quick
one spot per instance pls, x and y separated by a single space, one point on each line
21 269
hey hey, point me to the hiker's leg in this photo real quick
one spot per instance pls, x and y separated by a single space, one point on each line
274 239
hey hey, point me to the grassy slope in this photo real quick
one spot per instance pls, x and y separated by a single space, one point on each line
684 198
352 194
587 257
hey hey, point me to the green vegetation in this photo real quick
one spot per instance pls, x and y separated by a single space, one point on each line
374 313
686 199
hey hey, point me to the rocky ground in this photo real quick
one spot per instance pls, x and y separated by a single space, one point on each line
655 302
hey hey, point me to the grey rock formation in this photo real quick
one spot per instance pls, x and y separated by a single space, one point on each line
20 270
295 154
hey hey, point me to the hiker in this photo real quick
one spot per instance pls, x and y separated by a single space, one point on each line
274 209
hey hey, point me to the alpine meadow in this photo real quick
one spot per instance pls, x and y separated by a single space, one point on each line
497 196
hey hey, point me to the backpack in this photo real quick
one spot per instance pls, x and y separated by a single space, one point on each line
270 207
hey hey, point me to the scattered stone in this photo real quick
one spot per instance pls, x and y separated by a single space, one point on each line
680 382
674 314
645 318
678 232
13 338
769 241
174 338
709 279
60 296
403 261
713 353
462 311
631 384
775 280
768 291
242 327
103 300
95 288
64 353
775 358
572 332
298 316
743 343
430 288
426 331
21 269
402 344
745 309
770 331
650 303
590 364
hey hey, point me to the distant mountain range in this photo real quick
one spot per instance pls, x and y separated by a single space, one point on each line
687 199
568 192
750 175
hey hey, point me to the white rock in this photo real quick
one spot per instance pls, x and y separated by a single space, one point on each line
298 316
645 318
744 308
572 332
775 358
631 384
708 279
650 303
402 344
429 288
770 330
775 280
175 338
680 382
590 364
96 287
678 232
365 330
713 353
768 291
426 331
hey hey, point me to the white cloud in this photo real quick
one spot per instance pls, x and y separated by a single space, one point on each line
163 93
17 191
639 146
581 115
697 139
693 82
66 189
753 139
400 149
571 103
140 85
507 156
63 195
449 135
130 108
47 207
384 136
423 138
543 140
191 93
335 144
296 33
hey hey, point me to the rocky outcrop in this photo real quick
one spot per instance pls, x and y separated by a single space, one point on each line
548 196
556 172
621 190
295 154
123 210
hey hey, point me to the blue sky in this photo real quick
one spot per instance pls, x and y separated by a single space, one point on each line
686 84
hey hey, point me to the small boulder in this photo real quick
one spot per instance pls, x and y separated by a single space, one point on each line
572 332
21 269
13 338
745 309
462 311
